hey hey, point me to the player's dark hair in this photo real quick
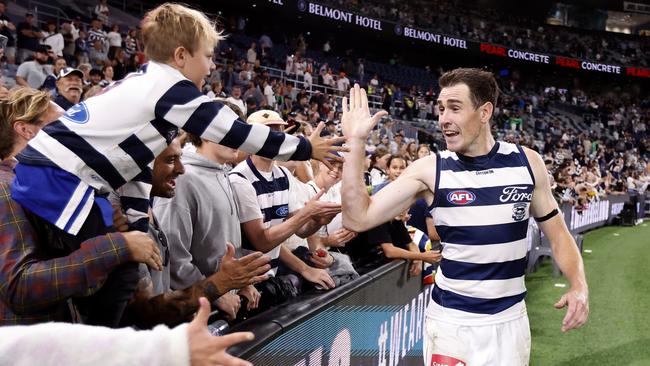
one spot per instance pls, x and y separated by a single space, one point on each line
482 86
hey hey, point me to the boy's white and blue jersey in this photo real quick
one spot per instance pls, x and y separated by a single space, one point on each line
481 211
272 197
108 142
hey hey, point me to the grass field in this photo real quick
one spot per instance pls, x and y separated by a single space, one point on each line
618 330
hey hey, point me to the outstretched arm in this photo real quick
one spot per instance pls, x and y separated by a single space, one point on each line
216 122
565 250
361 212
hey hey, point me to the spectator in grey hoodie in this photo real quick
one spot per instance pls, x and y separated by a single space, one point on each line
201 218
155 302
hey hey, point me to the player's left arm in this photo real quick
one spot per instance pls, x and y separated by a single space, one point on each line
565 251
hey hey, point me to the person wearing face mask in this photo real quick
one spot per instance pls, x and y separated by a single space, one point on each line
33 73
69 87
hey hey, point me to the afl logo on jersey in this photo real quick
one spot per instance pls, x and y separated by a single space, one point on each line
78 113
461 197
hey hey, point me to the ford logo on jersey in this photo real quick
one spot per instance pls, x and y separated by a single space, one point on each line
78 113
282 211
461 197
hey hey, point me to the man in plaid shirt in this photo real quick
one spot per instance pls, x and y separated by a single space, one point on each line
35 282
34 286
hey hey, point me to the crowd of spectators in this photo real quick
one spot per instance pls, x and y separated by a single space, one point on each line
461 19
34 54
310 90
608 155
605 152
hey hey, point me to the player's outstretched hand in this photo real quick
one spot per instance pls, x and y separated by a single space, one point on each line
206 349
356 120
577 303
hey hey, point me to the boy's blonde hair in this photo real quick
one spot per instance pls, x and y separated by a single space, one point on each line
22 104
173 25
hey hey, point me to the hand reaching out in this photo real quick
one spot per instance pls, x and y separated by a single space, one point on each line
142 249
320 211
323 149
244 271
206 349
356 120
432 256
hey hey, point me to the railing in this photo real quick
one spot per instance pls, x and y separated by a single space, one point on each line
358 323
373 100
44 9
412 129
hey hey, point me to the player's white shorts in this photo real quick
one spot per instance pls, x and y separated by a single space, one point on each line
502 344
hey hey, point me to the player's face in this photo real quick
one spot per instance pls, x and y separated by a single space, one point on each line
460 120
166 168
199 65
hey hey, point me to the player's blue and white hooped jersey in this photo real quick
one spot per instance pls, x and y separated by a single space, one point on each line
481 210
272 197
108 142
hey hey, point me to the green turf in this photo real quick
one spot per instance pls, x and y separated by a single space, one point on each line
618 330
